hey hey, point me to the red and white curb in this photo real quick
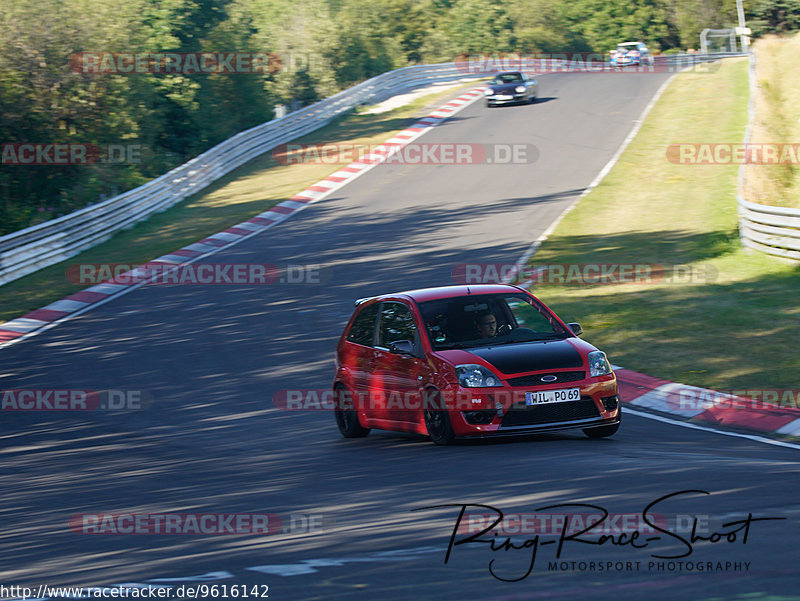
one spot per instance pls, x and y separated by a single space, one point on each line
704 406
42 319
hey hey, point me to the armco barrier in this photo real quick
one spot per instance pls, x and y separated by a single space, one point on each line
771 230
33 248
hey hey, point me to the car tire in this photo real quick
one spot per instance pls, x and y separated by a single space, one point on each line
437 419
489 104
532 100
347 419
603 431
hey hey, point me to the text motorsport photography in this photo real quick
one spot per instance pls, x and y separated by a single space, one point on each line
667 541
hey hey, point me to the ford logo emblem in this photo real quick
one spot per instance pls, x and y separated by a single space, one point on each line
549 378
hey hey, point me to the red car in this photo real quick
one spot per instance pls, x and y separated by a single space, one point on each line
469 361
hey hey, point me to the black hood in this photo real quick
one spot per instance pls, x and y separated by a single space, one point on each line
505 87
530 356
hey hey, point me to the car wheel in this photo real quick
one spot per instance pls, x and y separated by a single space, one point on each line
489 104
437 419
603 431
347 419
532 100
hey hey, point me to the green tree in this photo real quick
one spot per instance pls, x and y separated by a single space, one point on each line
474 26
690 17
775 16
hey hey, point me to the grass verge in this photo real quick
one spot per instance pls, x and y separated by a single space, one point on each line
732 322
775 121
249 190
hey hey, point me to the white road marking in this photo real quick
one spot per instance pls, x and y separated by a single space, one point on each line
309 566
753 437
202 578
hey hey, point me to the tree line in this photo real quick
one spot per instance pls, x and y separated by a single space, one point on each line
136 125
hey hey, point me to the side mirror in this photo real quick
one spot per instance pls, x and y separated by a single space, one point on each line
576 328
401 347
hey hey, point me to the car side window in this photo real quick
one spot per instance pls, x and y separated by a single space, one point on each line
397 323
529 316
363 329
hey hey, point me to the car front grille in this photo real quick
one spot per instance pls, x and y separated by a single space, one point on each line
536 379
522 415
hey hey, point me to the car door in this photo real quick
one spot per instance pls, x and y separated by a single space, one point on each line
359 353
397 378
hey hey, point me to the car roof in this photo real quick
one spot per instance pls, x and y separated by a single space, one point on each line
508 73
425 294
630 44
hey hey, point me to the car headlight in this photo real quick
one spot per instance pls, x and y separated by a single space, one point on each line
488 91
520 89
598 364
476 376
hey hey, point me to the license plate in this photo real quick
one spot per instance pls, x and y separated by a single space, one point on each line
504 97
552 396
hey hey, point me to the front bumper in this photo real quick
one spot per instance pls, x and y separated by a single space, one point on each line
543 428
507 98
504 410
624 62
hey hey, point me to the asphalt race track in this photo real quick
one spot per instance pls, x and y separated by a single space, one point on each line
210 440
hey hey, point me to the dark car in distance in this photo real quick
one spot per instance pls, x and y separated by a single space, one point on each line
469 361
509 88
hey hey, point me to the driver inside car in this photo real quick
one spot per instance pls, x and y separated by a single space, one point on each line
486 324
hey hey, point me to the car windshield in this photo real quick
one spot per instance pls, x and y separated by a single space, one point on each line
626 47
488 320
508 78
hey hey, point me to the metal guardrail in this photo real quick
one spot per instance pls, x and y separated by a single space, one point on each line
33 248
770 230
